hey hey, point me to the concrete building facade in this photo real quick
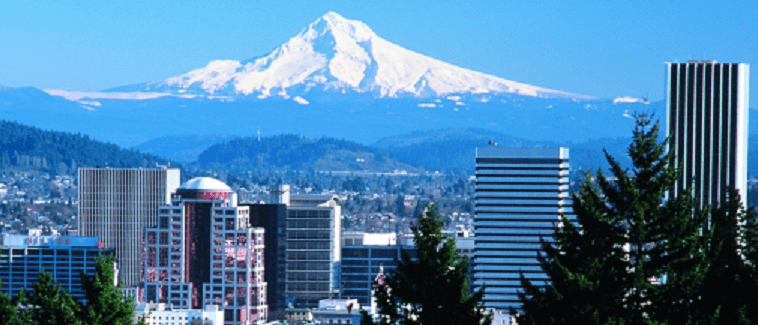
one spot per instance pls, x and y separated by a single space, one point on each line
115 204
313 248
707 120
520 195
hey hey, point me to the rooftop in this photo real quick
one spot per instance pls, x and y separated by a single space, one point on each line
205 184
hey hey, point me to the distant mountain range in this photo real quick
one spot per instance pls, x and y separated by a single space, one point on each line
340 80
62 152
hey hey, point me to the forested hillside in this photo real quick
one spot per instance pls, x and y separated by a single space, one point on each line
61 152
292 152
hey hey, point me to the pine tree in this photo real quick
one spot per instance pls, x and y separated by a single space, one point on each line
632 257
49 304
106 304
432 289
8 310
732 278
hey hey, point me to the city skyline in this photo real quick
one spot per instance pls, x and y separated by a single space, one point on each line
568 47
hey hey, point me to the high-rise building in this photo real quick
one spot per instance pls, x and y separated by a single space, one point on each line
272 217
707 121
23 258
202 252
520 195
313 248
115 204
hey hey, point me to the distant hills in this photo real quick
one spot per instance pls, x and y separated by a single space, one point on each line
454 149
61 152
293 152
336 79
443 150
181 148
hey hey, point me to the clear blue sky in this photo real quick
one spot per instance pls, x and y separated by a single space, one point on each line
599 48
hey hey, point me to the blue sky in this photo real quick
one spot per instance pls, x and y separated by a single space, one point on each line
598 48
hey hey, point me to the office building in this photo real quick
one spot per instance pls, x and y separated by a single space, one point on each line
313 248
202 252
22 259
363 256
520 195
115 204
707 121
272 217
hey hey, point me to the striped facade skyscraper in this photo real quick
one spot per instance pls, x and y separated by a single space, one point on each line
707 121
115 204
520 195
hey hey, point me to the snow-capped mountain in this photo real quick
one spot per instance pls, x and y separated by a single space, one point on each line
334 54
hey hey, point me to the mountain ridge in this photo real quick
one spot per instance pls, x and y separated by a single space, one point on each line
334 54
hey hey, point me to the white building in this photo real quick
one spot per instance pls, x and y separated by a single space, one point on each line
115 204
162 314
338 311
520 195
707 120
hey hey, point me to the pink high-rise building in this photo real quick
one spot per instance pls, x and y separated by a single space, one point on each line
202 251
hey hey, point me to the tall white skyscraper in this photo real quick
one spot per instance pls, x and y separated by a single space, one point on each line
707 120
115 204
520 194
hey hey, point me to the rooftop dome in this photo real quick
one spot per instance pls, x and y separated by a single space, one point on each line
205 184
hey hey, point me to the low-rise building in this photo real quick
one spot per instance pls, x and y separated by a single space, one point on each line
338 311
162 314
361 264
23 258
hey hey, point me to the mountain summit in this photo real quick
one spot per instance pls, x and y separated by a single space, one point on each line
334 54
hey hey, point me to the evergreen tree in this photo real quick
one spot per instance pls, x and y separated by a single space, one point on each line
8 310
49 304
632 257
432 289
732 278
106 305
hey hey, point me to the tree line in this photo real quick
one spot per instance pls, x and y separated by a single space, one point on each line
47 303
632 255
61 152
294 152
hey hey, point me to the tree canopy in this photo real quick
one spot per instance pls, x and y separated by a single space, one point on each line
50 304
633 256
432 289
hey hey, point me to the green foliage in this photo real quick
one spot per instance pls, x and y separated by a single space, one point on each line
49 304
732 279
106 305
53 151
8 310
432 289
606 268
292 152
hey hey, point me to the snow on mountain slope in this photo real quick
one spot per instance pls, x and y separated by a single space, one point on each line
339 55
